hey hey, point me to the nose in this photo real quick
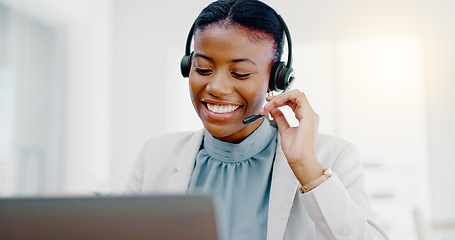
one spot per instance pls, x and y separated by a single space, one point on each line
220 85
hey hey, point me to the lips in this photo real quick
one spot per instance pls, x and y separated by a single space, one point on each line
220 111
222 108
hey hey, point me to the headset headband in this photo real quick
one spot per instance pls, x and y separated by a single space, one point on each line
282 23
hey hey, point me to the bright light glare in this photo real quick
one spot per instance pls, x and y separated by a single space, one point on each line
382 108
395 60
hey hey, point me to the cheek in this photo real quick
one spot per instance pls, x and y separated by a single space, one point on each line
195 86
255 94
259 99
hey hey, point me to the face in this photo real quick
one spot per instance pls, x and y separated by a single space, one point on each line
229 79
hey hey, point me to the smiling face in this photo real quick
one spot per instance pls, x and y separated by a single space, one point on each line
229 78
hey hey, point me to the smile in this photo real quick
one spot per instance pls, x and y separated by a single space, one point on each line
216 108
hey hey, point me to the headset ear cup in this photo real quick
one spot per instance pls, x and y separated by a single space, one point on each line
281 77
185 65
274 83
285 78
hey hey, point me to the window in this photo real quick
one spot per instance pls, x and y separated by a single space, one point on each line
370 91
31 104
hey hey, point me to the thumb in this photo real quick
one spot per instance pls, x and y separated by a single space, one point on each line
280 119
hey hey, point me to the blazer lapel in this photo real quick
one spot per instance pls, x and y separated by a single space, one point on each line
282 192
184 164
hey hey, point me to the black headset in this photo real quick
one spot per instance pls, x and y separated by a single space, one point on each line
281 76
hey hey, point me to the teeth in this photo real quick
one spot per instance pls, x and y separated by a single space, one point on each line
222 108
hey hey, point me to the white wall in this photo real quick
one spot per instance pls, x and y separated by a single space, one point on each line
87 27
89 97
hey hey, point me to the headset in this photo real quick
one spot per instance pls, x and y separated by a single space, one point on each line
281 76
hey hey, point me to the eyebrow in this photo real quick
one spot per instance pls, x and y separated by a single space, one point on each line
243 60
234 60
203 56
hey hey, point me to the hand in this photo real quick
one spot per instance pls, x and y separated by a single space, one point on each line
298 143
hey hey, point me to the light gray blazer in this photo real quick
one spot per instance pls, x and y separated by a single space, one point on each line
336 209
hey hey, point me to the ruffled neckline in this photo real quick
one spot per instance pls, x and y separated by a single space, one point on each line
236 152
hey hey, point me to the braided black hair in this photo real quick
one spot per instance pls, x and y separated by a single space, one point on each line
251 14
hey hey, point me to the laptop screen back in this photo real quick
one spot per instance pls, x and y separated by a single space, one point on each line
127 217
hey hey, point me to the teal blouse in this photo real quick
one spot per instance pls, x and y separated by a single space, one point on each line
239 177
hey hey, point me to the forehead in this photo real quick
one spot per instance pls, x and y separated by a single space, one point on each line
233 39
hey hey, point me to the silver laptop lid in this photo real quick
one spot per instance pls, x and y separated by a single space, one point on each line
120 217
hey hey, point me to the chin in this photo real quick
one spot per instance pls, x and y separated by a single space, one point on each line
222 131
234 132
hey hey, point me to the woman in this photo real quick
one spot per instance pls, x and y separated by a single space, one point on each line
274 183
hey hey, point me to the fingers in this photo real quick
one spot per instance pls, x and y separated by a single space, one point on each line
280 120
295 99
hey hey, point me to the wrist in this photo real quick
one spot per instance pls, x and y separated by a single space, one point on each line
316 182
306 160
308 171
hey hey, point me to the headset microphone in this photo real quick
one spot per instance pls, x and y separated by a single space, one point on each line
251 119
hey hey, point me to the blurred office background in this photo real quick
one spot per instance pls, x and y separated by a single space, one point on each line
84 84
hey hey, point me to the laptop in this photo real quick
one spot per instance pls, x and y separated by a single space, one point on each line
115 218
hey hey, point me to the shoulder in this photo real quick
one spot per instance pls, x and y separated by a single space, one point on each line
162 154
160 157
171 147
332 149
173 137
325 140
172 141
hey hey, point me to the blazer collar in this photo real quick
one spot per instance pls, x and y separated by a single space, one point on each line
282 193
184 164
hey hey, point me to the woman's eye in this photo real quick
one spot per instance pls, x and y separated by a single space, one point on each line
239 75
203 71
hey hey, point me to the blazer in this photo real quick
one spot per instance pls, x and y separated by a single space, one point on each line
337 209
